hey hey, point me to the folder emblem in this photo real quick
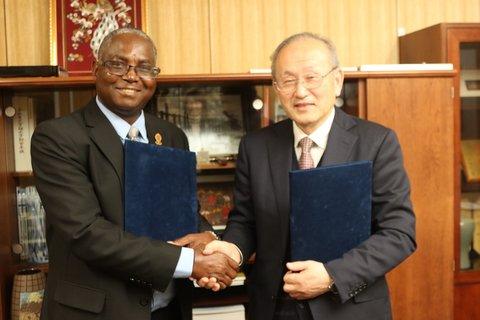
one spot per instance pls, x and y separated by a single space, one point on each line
158 139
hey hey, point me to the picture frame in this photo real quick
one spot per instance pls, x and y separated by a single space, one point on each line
212 119
77 28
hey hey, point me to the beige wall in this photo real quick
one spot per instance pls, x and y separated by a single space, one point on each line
222 36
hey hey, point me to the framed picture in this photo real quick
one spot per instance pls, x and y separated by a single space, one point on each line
211 118
79 26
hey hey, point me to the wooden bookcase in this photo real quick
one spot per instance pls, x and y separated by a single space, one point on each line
417 105
459 44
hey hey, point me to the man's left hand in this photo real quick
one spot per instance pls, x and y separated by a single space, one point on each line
194 240
306 279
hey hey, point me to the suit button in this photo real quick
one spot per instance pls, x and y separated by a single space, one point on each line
144 301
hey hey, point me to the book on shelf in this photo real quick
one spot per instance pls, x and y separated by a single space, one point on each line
471 160
23 127
31 225
232 312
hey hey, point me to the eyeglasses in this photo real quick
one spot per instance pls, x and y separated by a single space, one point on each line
120 68
309 82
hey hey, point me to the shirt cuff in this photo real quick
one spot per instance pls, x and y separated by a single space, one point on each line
185 263
240 252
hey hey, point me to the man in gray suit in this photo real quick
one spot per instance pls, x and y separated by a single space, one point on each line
97 270
307 78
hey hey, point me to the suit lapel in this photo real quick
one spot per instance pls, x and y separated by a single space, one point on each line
105 137
280 149
152 130
340 140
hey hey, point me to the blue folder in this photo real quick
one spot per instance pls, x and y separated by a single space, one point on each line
330 210
160 191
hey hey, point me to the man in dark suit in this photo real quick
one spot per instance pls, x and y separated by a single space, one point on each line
307 79
96 269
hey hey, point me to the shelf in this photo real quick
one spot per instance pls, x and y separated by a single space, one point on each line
216 165
26 265
467 277
22 174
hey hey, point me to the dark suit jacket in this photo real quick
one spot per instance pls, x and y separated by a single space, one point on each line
96 270
259 221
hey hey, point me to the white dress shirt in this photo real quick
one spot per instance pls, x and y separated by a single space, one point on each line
319 137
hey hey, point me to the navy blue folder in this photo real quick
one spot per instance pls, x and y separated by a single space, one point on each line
160 191
330 210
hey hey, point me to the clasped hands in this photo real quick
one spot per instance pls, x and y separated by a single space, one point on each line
303 280
213 270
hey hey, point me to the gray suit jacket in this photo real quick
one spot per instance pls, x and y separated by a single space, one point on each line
259 221
96 270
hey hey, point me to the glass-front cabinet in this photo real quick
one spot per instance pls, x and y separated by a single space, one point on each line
459 44
470 155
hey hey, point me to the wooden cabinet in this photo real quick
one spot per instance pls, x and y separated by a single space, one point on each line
459 44
418 106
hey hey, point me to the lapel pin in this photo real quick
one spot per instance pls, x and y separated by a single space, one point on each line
158 139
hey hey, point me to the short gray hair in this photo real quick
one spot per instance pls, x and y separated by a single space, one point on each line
305 35
127 30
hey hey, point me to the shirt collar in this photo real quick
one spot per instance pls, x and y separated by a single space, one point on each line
319 136
121 126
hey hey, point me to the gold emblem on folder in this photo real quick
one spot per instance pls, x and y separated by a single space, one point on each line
158 139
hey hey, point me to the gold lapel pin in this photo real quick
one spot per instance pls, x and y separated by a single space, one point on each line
158 139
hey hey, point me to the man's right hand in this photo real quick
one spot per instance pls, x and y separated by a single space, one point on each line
225 247
219 268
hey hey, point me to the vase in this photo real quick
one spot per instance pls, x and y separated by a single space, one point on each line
27 294
467 226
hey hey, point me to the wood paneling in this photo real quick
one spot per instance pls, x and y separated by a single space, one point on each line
180 30
221 36
397 104
3 40
245 32
418 14
27 32
466 302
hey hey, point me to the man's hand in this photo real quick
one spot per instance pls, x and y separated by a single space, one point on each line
217 270
306 279
194 240
224 247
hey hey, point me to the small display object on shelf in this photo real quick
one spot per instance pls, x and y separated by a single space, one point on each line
216 201
470 83
27 294
471 160
470 231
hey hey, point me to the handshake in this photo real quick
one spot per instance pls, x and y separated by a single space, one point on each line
216 262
